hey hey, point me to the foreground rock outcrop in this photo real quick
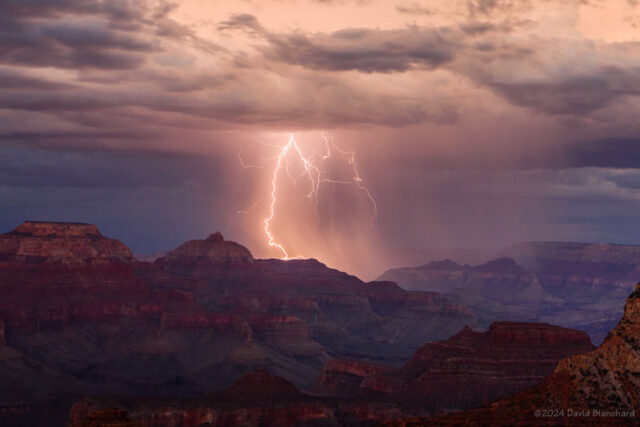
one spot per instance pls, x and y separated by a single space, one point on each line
257 399
596 388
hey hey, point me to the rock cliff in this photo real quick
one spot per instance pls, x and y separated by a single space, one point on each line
580 286
467 370
581 271
83 317
601 387
214 252
344 314
61 242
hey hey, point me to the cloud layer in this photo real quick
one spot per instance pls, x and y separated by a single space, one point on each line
446 104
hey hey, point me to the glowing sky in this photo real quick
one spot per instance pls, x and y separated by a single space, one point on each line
475 123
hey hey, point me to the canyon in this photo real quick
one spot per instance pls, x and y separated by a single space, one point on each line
465 371
81 316
206 333
576 285
601 387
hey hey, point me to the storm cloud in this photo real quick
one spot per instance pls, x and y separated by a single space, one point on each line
521 112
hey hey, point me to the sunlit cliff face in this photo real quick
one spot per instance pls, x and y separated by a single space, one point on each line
474 123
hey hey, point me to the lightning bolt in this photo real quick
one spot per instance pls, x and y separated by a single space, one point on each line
314 175
356 179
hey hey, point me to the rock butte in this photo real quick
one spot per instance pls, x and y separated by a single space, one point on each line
60 242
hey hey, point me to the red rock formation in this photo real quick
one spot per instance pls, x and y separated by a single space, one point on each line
83 315
53 273
333 303
40 295
214 252
266 301
161 280
61 242
601 387
469 369
346 377
548 337
176 298
472 368
220 322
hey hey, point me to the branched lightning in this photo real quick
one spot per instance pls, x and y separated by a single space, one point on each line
313 174
356 179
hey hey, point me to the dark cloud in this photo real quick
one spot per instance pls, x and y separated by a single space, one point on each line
10 79
99 168
608 153
482 6
472 49
151 202
241 21
477 27
47 8
367 54
491 8
336 2
73 100
414 9
88 34
130 73
118 13
362 49
114 112
575 94
69 41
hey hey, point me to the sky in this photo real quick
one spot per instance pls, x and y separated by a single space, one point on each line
432 124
